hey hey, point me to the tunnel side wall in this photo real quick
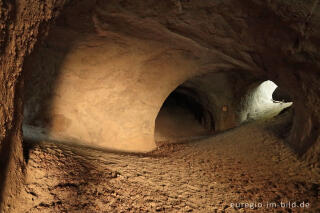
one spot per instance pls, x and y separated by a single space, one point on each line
21 24
102 92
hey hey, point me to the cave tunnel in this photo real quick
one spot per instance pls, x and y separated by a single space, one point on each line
159 106
261 102
182 117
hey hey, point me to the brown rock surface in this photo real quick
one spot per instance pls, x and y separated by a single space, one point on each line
106 67
250 164
21 24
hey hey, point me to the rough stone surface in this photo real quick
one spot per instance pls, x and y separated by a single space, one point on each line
250 164
21 24
156 45
118 60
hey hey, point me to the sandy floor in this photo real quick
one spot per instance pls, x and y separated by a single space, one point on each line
249 164
177 124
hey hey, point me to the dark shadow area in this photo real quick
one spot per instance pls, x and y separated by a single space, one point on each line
281 95
282 123
183 117
42 68
5 152
179 100
27 146
84 177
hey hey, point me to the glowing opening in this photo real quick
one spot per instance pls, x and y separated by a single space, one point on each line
259 103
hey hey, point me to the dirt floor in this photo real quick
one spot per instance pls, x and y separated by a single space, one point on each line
177 124
249 165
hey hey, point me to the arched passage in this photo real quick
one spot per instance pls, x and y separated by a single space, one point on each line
101 91
210 103
184 116
282 46
258 102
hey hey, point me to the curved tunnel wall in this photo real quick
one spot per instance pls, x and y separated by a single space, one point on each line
88 83
96 91
284 49
103 93
160 54
107 91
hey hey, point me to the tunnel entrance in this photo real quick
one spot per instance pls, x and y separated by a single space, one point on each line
182 118
262 101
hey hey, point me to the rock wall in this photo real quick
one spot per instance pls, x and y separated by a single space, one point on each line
21 24
92 84
163 44
105 91
287 48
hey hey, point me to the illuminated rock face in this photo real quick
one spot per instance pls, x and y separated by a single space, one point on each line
258 103
89 84
92 90
108 94
103 93
119 60
105 70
